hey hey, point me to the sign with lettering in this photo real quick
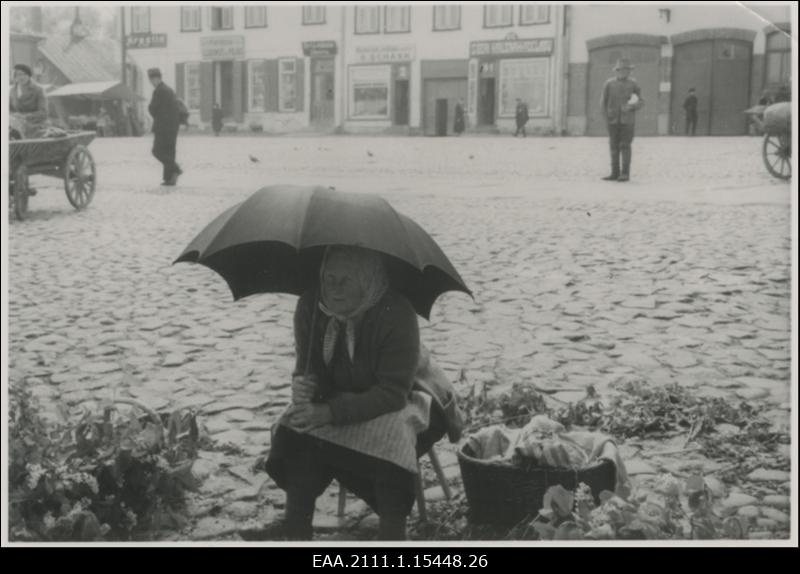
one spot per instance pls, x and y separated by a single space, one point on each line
222 47
321 48
537 47
388 53
134 41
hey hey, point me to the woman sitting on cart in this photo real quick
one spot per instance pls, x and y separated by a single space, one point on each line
28 103
354 416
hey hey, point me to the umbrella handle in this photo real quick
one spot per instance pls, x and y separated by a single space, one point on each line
311 337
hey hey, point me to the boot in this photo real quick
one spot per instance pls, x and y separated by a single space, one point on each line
626 165
614 167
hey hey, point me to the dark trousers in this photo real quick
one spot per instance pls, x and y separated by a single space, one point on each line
620 137
520 129
691 123
304 467
164 151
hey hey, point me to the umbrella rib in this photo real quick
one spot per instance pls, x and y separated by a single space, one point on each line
302 227
418 264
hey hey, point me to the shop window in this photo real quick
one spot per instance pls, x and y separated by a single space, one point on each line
498 15
140 19
368 19
222 18
191 19
447 17
534 14
779 57
525 79
369 92
255 16
256 86
287 85
191 85
313 15
397 19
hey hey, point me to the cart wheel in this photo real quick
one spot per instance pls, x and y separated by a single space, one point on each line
80 177
19 192
778 155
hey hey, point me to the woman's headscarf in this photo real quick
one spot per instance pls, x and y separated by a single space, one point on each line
374 282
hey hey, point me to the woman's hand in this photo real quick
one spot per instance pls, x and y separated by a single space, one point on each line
307 416
303 389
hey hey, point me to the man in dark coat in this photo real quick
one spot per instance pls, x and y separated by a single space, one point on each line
690 107
622 98
521 116
458 117
166 122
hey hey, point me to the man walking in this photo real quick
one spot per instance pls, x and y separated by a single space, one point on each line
166 122
690 107
622 97
521 116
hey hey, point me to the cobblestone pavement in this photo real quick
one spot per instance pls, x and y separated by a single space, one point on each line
681 275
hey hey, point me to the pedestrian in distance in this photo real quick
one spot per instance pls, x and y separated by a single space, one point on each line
165 111
622 98
690 108
216 118
521 116
458 117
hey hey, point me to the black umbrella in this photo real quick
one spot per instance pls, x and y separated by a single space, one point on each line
273 243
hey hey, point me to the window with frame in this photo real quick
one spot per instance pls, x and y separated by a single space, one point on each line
287 85
498 15
222 17
191 85
313 15
255 16
447 17
369 92
140 19
534 14
397 19
256 86
190 18
368 19
779 57
525 79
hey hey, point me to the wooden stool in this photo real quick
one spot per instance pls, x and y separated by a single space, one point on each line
420 492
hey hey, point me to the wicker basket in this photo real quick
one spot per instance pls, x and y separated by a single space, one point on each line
504 495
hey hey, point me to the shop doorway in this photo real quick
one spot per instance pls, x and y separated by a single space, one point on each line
448 89
223 87
719 70
401 102
486 105
322 92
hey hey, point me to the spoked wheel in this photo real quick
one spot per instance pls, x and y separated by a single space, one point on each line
80 177
19 192
778 155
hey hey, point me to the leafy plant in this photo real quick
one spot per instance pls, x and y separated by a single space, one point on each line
105 476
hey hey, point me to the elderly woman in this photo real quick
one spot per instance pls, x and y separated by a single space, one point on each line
27 102
354 417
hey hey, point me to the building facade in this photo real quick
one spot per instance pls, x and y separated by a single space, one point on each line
402 68
728 53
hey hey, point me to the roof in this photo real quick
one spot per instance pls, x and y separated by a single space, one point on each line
85 60
111 90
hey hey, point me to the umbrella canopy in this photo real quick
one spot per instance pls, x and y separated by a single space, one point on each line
273 242
111 90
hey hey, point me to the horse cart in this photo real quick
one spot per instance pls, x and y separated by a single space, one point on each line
66 157
775 122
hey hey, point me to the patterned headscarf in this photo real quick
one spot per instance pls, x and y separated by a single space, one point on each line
374 281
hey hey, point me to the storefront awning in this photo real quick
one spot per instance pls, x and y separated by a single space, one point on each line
112 90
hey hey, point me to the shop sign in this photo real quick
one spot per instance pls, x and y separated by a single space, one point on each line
388 53
320 48
134 41
222 47
537 47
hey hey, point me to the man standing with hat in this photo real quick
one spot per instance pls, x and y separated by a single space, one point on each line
622 97
166 122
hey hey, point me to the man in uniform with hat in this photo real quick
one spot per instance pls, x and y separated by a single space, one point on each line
622 97
166 122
